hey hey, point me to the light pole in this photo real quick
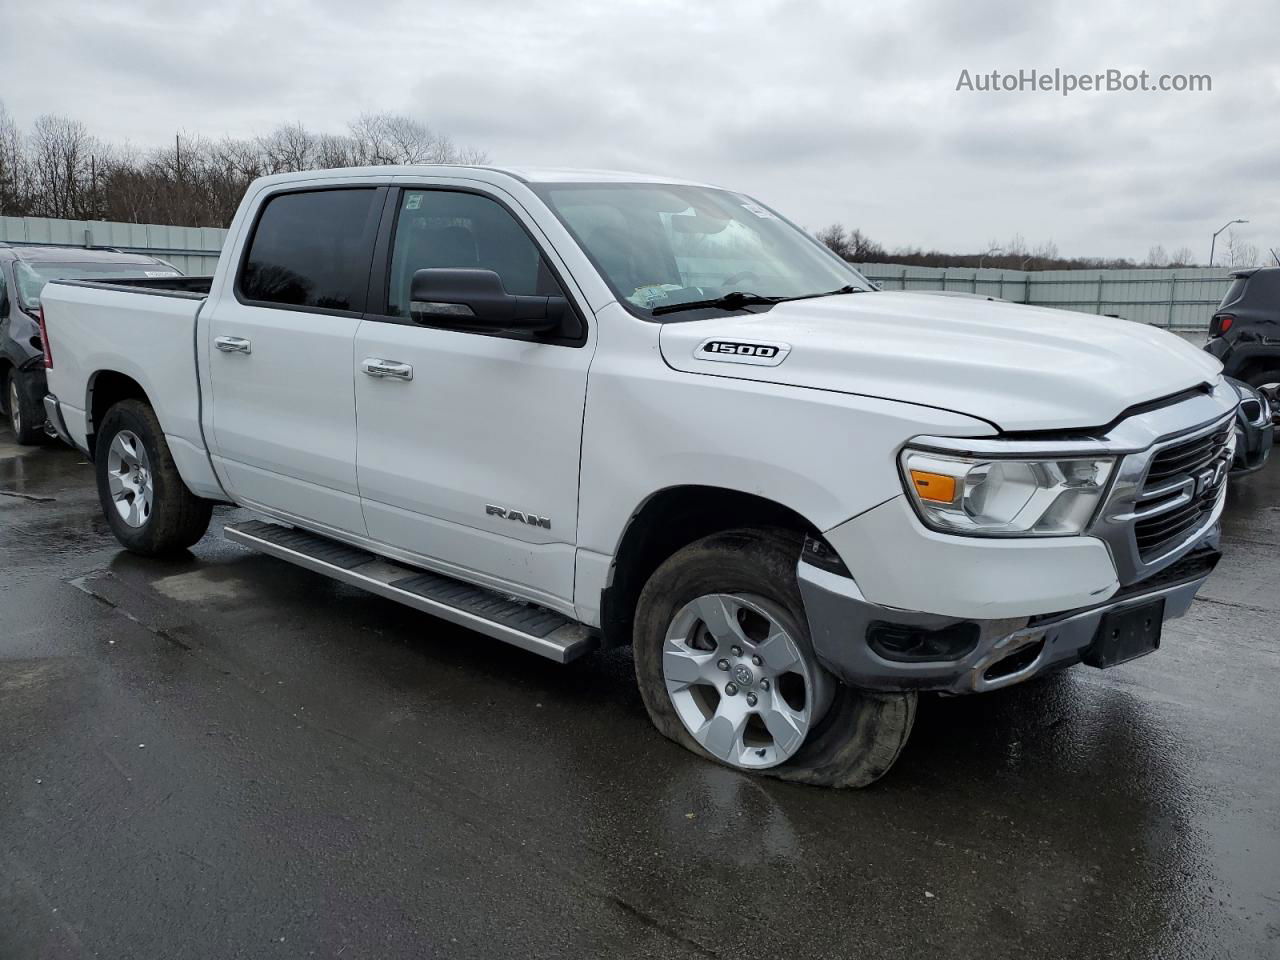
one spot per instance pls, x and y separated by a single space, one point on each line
1214 241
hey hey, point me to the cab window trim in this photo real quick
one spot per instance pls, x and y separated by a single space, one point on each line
384 247
377 208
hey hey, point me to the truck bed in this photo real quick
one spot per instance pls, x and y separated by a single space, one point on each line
140 329
188 287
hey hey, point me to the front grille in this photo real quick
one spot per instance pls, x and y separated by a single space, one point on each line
1176 472
1186 458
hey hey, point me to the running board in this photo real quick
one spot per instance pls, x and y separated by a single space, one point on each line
524 625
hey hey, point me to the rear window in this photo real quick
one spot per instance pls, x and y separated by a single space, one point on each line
1234 292
312 249
31 277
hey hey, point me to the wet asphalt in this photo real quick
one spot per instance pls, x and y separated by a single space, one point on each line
225 756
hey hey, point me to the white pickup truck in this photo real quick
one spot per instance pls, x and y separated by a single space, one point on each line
572 409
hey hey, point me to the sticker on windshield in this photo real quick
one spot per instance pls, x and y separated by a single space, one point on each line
160 273
413 201
651 293
755 208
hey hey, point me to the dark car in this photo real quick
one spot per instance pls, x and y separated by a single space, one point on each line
23 273
1245 330
1255 432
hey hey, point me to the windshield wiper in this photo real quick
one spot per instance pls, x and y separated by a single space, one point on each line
738 299
734 300
848 288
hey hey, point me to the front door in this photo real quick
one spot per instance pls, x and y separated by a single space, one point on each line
284 427
469 442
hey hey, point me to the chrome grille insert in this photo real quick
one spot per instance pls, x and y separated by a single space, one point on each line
1182 487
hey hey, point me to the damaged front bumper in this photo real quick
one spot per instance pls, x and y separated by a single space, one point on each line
886 649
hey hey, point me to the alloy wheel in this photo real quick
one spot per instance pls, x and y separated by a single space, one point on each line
129 478
742 685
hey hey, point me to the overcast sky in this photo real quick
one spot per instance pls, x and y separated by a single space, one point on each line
828 111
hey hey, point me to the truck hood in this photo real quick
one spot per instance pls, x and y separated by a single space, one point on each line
1018 367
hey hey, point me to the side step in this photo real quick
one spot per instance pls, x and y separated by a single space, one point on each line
524 625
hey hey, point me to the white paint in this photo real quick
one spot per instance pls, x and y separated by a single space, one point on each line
586 435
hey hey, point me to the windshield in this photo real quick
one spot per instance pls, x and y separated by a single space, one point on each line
30 278
659 245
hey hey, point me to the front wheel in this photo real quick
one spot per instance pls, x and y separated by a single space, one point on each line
147 505
726 668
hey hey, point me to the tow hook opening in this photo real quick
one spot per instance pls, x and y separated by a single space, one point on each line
1017 661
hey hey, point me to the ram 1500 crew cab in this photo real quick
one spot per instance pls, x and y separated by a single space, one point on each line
571 409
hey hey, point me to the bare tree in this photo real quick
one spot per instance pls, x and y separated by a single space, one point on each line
1241 253
62 157
15 181
1182 257
59 170
1156 257
852 245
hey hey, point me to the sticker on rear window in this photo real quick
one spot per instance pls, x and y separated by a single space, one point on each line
159 273
413 201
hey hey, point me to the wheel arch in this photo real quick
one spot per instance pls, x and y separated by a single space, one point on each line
1250 359
105 389
670 519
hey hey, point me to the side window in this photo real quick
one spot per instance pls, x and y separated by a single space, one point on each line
5 306
312 249
440 228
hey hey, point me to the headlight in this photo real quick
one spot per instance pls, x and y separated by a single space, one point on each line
1005 498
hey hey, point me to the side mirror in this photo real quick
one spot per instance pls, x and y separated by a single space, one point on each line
466 297
4 304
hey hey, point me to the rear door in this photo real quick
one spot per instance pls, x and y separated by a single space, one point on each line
280 364
469 460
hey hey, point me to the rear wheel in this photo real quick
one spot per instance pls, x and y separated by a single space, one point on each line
726 668
148 507
26 411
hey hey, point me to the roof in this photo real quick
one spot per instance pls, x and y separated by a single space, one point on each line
523 174
78 255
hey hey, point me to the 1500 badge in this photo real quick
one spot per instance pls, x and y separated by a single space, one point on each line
760 353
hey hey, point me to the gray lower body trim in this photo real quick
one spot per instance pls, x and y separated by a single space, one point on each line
839 616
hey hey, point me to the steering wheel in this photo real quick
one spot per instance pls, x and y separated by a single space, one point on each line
738 278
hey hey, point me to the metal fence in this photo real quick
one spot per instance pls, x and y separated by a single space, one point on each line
1181 298
193 250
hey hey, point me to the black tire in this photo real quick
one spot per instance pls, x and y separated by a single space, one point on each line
178 518
862 733
24 409
1261 378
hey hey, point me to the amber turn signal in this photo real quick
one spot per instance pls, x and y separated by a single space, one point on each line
934 487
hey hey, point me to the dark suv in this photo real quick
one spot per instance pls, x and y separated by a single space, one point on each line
23 272
1245 330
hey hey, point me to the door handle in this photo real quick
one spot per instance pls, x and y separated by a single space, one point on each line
387 368
233 344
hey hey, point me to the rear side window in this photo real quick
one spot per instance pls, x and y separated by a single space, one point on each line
1234 292
312 249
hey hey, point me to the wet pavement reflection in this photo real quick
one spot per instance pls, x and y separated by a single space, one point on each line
229 756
